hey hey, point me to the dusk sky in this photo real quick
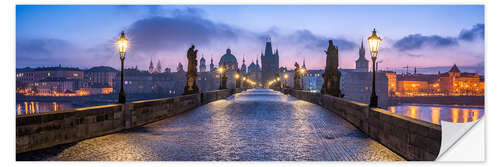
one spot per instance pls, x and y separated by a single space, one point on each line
430 36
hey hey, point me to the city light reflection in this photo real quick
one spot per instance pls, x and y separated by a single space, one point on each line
413 111
475 114
436 112
18 109
392 109
465 115
33 107
454 115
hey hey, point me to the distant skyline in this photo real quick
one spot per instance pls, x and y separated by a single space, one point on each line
414 35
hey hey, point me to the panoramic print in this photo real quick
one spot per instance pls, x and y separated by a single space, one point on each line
245 82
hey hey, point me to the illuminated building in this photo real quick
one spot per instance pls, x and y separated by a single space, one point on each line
391 83
414 84
56 86
451 83
100 77
48 81
456 83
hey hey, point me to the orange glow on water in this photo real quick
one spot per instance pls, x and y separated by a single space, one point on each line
25 107
454 115
19 109
413 111
475 114
55 106
465 115
32 107
393 109
436 111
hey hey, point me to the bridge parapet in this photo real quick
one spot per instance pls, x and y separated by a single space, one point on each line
411 138
44 130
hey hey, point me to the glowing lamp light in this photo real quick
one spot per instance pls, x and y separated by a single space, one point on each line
302 70
220 69
122 43
374 43
286 76
236 76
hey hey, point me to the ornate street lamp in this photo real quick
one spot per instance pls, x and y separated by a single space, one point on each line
244 78
238 80
221 71
286 80
122 44
374 43
303 72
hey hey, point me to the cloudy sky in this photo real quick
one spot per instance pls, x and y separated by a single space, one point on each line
431 37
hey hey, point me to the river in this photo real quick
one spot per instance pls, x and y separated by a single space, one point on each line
437 113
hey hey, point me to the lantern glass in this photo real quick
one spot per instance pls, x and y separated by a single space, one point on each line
122 43
374 42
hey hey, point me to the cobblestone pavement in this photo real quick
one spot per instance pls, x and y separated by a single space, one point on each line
255 125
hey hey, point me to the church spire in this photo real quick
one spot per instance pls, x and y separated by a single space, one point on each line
362 52
158 67
362 45
151 66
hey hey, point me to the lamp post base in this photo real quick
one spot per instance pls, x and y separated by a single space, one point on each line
121 97
373 101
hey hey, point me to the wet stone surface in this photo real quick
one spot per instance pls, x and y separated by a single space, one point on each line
256 125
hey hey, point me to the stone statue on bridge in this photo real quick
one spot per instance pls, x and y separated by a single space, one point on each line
296 78
191 87
331 76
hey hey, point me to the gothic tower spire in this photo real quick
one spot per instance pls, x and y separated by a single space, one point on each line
151 66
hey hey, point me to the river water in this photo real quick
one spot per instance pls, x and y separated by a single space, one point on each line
32 107
437 113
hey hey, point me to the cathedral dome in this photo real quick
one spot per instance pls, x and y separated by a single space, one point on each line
229 61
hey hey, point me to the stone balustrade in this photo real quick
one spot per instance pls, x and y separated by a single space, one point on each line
411 138
44 130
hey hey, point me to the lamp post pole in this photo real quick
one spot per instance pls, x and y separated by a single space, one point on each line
122 43
374 42
220 84
221 71
121 95
373 97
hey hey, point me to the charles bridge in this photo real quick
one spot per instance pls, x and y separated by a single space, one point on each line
229 124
